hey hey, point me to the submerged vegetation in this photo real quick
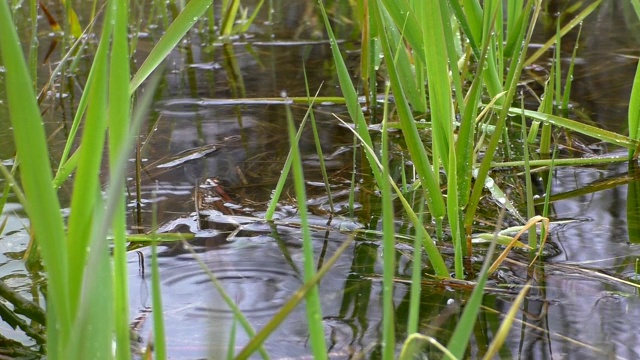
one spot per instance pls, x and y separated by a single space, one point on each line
443 88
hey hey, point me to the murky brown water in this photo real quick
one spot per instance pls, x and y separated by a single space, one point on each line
579 308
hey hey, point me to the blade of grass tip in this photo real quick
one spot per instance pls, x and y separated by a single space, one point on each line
292 303
244 26
178 28
284 174
31 143
460 338
350 95
546 106
228 17
566 95
316 140
119 108
505 326
388 244
557 64
314 308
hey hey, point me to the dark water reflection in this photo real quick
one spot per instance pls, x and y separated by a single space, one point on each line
579 308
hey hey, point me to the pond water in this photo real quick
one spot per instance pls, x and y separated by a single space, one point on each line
584 301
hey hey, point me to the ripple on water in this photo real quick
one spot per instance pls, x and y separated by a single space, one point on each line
259 287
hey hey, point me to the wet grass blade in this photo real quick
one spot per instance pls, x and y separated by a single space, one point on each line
31 143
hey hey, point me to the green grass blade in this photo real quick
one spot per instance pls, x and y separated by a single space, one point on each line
440 95
459 340
159 337
578 127
404 18
505 326
87 184
31 143
416 280
284 174
229 17
183 22
566 95
456 9
388 245
119 107
314 308
634 110
633 204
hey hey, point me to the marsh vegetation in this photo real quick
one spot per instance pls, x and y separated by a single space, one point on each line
378 179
